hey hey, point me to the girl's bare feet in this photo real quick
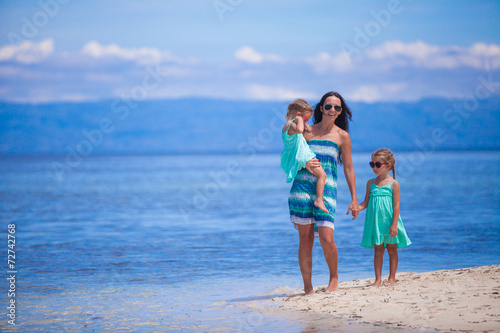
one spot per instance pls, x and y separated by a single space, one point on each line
319 203
391 282
376 284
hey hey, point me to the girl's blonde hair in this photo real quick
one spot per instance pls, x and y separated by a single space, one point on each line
388 157
299 105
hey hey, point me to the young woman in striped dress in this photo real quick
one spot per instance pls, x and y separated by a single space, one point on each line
329 139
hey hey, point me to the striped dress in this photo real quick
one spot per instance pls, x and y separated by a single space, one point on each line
303 191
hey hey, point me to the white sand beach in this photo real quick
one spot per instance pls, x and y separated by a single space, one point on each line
447 300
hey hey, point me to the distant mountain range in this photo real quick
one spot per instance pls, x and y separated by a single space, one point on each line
193 126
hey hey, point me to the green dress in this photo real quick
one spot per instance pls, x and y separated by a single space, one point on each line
296 153
378 219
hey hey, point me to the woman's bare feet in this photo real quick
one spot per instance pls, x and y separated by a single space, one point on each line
309 292
319 203
376 284
333 285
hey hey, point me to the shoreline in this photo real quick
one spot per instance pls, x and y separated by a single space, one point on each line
466 299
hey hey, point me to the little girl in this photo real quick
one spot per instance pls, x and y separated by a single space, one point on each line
296 151
383 225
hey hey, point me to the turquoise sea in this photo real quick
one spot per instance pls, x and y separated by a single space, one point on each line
179 243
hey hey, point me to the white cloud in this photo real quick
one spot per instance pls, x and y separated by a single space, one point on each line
366 93
325 63
269 93
248 54
421 54
416 55
416 50
486 56
27 52
391 71
77 97
141 55
375 92
102 77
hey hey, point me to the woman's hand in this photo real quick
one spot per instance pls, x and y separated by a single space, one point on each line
354 208
312 163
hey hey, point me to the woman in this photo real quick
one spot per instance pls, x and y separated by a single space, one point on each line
329 139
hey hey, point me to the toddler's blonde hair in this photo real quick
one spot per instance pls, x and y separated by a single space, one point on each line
299 105
388 157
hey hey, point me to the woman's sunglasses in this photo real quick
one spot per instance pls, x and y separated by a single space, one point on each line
377 164
337 108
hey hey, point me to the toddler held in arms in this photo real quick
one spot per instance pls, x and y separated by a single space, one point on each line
296 152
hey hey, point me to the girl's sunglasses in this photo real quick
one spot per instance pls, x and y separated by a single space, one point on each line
337 108
304 117
377 164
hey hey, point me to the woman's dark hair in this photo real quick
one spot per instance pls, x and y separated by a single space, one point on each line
344 117
342 120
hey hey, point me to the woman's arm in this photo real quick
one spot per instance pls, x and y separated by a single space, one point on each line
396 198
350 177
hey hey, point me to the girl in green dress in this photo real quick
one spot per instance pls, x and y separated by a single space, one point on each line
383 225
296 152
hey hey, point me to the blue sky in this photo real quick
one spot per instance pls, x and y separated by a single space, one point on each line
67 50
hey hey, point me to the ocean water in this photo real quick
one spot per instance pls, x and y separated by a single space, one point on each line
178 243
